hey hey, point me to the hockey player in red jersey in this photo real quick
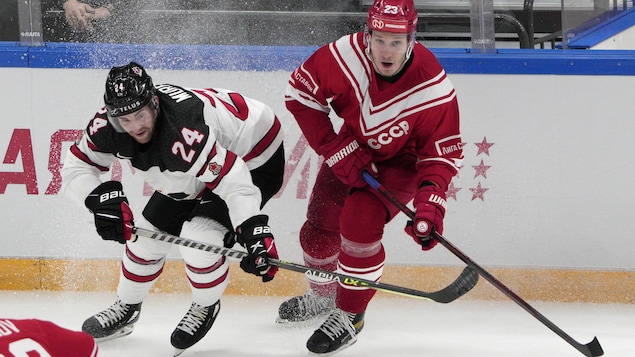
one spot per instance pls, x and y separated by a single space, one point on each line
400 122
214 158
33 337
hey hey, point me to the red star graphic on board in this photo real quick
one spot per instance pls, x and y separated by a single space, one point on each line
478 192
480 170
452 191
483 147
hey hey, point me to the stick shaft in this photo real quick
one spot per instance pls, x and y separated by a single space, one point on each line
463 284
591 349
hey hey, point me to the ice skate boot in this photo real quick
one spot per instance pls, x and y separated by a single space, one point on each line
116 321
336 333
194 326
305 307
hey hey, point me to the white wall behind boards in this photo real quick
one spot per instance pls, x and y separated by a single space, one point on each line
546 180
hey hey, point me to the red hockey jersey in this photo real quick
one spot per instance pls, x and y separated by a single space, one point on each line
32 337
416 114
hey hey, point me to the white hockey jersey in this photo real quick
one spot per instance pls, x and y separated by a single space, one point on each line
205 137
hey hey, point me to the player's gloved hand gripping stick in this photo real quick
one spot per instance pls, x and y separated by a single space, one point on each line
255 236
591 349
113 217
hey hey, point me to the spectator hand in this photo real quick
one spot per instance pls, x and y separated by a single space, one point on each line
429 205
78 15
103 12
255 235
113 217
347 160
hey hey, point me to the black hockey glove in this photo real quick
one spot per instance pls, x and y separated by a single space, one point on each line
229 240
255 236
113 217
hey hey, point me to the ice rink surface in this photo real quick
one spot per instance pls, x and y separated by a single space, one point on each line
396 326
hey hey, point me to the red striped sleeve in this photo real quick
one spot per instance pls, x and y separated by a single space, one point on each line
230 160
80 155
211 155
265 142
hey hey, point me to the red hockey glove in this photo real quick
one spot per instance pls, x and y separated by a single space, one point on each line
347 160
429 212
113 217
255 236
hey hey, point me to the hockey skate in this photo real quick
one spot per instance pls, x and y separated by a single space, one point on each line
336 333
194 326
305 307
116 321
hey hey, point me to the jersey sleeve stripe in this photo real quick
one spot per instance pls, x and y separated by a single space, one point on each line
83 157
95 351
209 158
93 147
230 159
454 163
265 142
206 95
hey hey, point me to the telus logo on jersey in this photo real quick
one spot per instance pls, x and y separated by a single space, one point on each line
175 93
385 138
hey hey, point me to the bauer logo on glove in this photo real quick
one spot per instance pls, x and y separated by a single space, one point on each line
255 236
113 217
111 195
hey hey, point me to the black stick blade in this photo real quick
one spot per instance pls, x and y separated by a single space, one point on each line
459 287
594 348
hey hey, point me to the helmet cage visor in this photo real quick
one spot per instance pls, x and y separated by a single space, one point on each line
114 111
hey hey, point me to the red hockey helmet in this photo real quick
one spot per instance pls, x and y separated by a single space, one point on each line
398 16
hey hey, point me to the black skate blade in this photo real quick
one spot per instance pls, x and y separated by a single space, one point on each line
315 320
343 347
125 331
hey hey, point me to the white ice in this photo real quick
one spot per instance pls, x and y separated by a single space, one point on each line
395 326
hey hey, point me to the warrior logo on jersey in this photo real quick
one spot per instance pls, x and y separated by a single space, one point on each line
215 168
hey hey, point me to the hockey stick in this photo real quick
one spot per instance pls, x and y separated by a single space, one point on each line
463 283
591 349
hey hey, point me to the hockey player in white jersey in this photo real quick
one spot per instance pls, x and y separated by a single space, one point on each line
214 158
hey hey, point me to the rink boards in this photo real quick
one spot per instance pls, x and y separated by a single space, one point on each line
543 197
530 284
